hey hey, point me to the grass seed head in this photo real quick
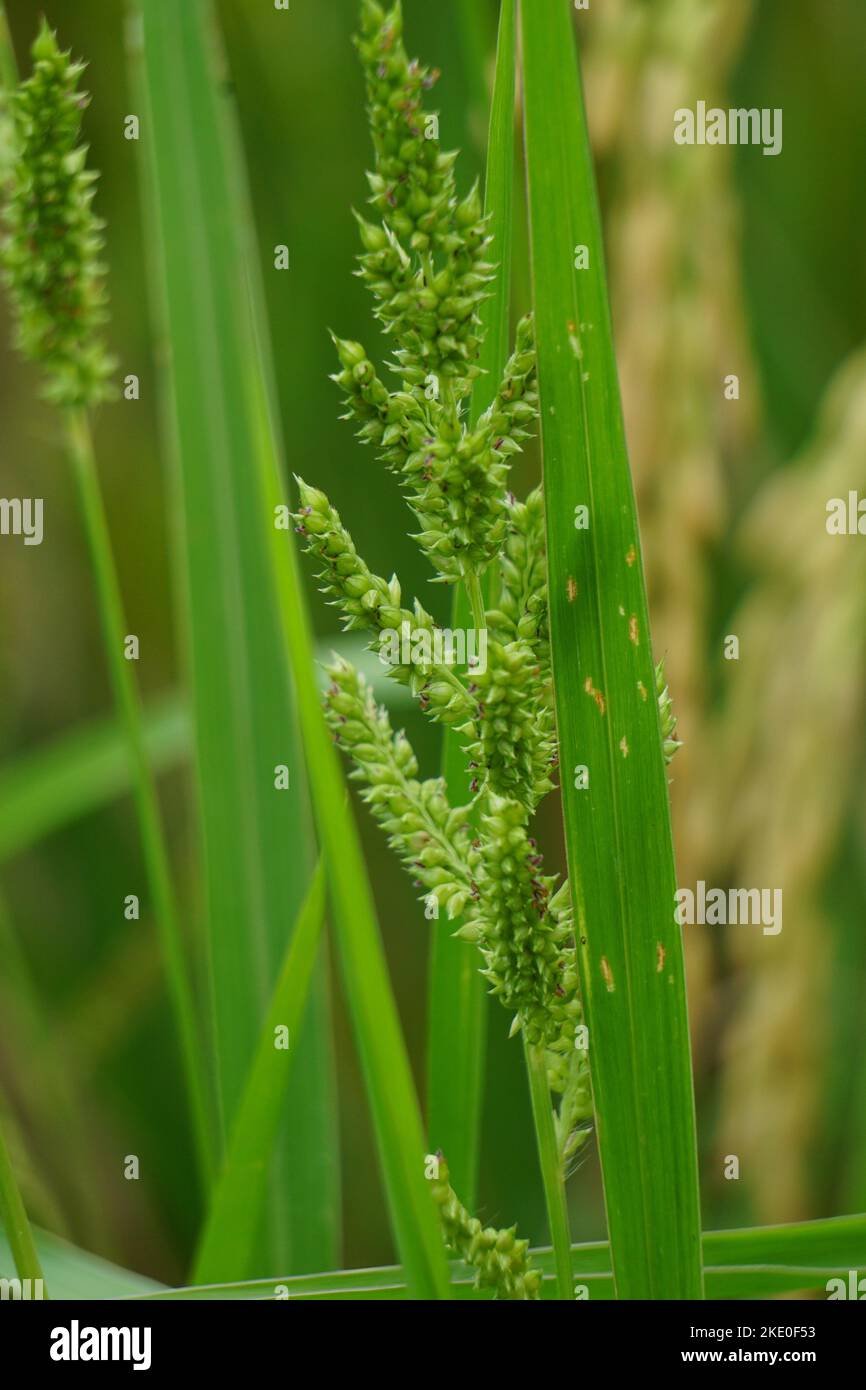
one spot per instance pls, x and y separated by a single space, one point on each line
53 243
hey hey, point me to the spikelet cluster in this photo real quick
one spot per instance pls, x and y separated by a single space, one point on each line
424 260
667 718
514 744
369 602
455 478
501 1261
425 831
53 239
527 947
521 606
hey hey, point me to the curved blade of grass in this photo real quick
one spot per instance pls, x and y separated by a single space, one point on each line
384 1060
257 839
65 779
458 1000
71 1272
754 1263
552 1175
43 790
45 1061
13 1218
382 1050
145 797
239 1199
383 1054
618 830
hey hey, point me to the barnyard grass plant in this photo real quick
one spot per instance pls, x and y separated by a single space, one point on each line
426 263
587 967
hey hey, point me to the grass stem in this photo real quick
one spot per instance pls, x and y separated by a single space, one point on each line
476 598
144 789
552 1176
14 1218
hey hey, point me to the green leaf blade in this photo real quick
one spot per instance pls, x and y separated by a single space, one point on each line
229 1237
49 787
618 829
73 1273
756 1263
13 1219
242 705
458 999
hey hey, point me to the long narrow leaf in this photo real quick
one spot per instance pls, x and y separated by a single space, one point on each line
180 37
238 1202
44 790
384 1060
76 773
256 834
74 1273
458 1003
756 1263
13 1218
387 1072
618 830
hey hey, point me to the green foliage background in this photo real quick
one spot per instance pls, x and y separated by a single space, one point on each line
300 100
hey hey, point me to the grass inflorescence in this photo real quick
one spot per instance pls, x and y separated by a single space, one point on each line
54 239
426 264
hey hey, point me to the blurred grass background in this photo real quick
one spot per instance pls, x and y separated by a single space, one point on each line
721 261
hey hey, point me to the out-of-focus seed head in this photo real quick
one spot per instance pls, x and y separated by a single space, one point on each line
51 251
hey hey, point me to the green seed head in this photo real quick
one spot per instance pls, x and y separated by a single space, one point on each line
422 828
425 263
521 610
515 744
501 1261
527 940
667 718
425 260
53 242
368 601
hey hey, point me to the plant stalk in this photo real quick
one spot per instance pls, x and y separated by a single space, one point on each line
552 1176
476 598
14 1218
144 789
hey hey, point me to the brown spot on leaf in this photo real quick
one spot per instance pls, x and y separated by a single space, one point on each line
633 628
607 974
623 746
642 688
571 588
596 694
631 556
660 957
